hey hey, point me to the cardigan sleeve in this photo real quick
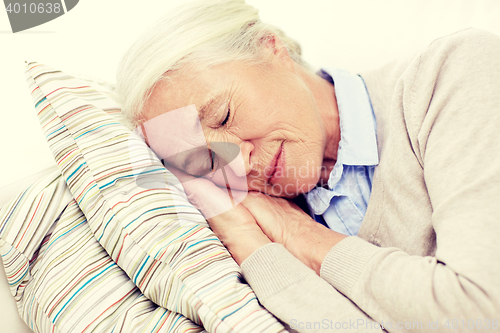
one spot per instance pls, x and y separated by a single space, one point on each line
298 296
453 95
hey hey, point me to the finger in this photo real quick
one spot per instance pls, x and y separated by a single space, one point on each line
239 232
265 211
256 201
233 225
210 199
191 185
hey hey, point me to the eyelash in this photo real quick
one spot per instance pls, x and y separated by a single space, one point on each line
212 162
224 122
212 155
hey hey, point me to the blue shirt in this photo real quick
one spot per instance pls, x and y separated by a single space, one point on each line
342 206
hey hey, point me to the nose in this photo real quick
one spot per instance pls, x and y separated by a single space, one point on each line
246 150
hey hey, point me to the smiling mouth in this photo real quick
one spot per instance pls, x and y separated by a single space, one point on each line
273 166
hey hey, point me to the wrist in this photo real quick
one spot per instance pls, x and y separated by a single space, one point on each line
312 243
243 244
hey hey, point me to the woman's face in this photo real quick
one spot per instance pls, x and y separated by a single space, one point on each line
267 110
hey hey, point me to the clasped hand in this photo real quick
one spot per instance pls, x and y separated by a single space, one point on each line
257 220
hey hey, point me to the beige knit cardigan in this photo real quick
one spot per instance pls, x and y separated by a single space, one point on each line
428 252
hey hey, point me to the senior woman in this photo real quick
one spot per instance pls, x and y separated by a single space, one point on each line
400 168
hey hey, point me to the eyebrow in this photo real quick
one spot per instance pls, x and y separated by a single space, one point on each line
202 114
208 105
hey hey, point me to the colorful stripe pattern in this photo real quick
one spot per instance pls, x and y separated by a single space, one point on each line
117 232
62 278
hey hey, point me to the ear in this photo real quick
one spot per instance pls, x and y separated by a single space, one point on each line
275 50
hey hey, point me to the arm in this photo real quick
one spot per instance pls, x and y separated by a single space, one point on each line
458 146
455 91
284 285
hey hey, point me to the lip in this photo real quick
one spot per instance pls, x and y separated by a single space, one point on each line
278 161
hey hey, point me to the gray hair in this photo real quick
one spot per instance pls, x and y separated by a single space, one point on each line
205 33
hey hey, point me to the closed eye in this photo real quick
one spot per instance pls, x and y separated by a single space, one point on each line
227 116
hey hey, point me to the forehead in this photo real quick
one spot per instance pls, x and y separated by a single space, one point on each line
175 110
190 87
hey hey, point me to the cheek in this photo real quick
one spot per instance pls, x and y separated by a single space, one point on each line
297 179
301 176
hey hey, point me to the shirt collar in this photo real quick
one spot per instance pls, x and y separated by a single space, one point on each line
358 141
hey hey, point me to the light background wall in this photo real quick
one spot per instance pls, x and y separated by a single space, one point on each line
90 39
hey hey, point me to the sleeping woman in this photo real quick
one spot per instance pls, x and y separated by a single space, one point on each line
399 168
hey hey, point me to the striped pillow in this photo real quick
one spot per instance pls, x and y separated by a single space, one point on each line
61 277
137 211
